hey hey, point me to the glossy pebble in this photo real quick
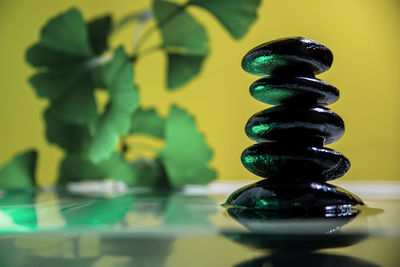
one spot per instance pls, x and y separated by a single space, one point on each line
312 125
293 252
277 160
284 90
293 197
296 56
291 136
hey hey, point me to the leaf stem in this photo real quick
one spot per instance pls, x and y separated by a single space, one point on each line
137 33
99 60
144 14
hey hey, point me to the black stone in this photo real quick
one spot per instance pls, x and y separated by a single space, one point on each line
291 137
295 242
295 124
295 56
307 199
312 221
333 217
277 160
304 90
300 259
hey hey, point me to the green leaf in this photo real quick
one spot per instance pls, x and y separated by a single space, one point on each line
147 121
66 60
186 153
40 56
20 171
180 31
99 30
78 106
235 15
55 83
68 79
74 138
184 40
124 100
75 168
67 33
181 68
63 39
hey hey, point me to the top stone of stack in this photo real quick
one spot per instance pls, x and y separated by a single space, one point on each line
296 56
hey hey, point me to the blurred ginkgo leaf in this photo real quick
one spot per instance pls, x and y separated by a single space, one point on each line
74 138
73 60
235 15
71 40
124 100
20 171
64 56
184 40
68 79
147 121
78 105
186 153
99 30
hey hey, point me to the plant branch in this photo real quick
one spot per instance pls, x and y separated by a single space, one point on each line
144 14
137 33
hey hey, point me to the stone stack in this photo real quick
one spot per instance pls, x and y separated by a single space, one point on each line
290 136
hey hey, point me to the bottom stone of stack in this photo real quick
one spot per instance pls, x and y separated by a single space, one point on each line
294 198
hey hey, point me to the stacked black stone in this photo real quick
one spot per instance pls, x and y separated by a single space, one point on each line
291 136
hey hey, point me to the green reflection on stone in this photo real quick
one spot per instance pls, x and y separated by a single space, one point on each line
260 129
272 95
263 64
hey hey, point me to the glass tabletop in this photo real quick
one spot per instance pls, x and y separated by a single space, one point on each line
141 227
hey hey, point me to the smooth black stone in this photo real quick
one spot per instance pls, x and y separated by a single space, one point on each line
335 217
277 160
301 124
295 56
295 242
293 198
296 259
313 221
283 90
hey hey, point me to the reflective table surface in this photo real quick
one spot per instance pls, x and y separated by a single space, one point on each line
141 227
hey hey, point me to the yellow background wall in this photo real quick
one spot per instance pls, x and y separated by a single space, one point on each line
364 36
